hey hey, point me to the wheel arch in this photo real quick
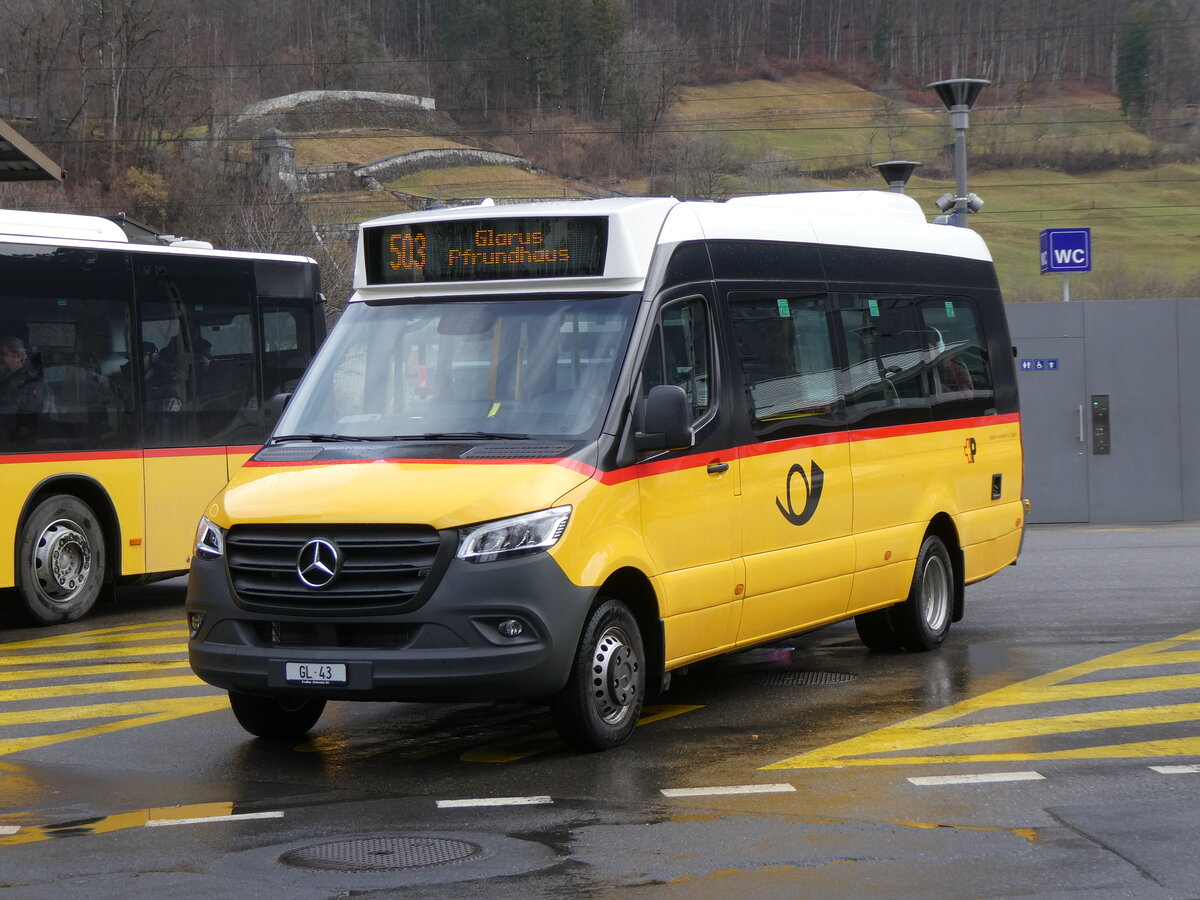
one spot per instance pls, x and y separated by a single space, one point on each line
943 526
91 492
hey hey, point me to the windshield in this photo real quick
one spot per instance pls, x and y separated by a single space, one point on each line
510 367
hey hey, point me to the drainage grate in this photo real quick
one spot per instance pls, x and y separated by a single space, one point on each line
782 678
382 854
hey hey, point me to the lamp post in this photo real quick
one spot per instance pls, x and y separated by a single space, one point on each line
896 172
958 95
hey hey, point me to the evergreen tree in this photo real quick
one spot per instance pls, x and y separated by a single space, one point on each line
1133 66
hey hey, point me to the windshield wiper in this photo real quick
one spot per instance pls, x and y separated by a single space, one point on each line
458 436
278 439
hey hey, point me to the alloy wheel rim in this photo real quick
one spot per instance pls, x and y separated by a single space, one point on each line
62 561
935 593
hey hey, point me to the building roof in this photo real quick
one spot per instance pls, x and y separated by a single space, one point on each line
21 161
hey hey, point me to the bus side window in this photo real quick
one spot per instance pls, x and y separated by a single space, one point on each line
786 353
957 355
681 354
886 349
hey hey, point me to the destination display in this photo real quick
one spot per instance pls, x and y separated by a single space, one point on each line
478 249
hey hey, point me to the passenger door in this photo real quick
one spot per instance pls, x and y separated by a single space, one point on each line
690 518
797 492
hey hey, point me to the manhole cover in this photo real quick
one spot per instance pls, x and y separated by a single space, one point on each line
781 678
382 854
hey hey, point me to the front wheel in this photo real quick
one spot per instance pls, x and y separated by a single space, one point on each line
923 620
600 705
282 718
60 560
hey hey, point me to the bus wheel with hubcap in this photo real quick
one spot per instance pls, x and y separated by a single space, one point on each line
60 560
283 718
922 621
600 705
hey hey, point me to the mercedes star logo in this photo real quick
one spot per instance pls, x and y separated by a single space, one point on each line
318 563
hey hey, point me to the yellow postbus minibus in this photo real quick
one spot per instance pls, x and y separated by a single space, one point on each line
133 381
556 451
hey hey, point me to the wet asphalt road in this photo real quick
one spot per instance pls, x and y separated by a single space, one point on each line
1050 749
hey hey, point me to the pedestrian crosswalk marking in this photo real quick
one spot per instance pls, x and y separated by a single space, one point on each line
68 666
956 735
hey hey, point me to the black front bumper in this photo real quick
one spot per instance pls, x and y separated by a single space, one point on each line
448 648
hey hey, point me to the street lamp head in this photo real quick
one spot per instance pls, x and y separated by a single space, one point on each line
944 202
959 92
896 172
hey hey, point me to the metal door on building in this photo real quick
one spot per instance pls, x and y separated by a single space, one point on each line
1100 410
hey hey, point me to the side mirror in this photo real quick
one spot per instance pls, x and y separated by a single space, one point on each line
668 421
275 407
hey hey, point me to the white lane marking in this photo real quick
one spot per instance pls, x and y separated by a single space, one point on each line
984 778
1176 770
731 789
237 817
494 801
9 829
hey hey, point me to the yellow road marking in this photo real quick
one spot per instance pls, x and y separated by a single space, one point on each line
79 671
887 746
173 709
122 650
120 634
117 822
98 687
107 653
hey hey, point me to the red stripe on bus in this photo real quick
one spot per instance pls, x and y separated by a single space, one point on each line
70 456
168 452
681 463
107 455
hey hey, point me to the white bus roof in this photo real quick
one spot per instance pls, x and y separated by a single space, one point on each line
69 230
60 225
637 225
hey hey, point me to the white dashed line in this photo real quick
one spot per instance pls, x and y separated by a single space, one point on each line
494 801
1176 770
9 829
984 778
732 789
200 820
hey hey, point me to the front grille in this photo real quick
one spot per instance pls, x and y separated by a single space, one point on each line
366 635
380 566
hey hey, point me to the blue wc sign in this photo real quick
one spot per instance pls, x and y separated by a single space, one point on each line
1066 250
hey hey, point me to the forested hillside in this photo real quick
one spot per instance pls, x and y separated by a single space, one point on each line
131 96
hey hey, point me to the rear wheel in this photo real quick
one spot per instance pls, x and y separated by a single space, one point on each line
61 560
876 631
276 717
923 620
600 705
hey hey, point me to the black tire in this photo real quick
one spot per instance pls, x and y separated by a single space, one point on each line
600 705
923 620
876 631
61 560
279 718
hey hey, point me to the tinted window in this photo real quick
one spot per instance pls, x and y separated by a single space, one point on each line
887 363
914 352
65 373
786 352
681 354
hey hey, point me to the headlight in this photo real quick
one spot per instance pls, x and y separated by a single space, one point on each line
513 537
210 539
